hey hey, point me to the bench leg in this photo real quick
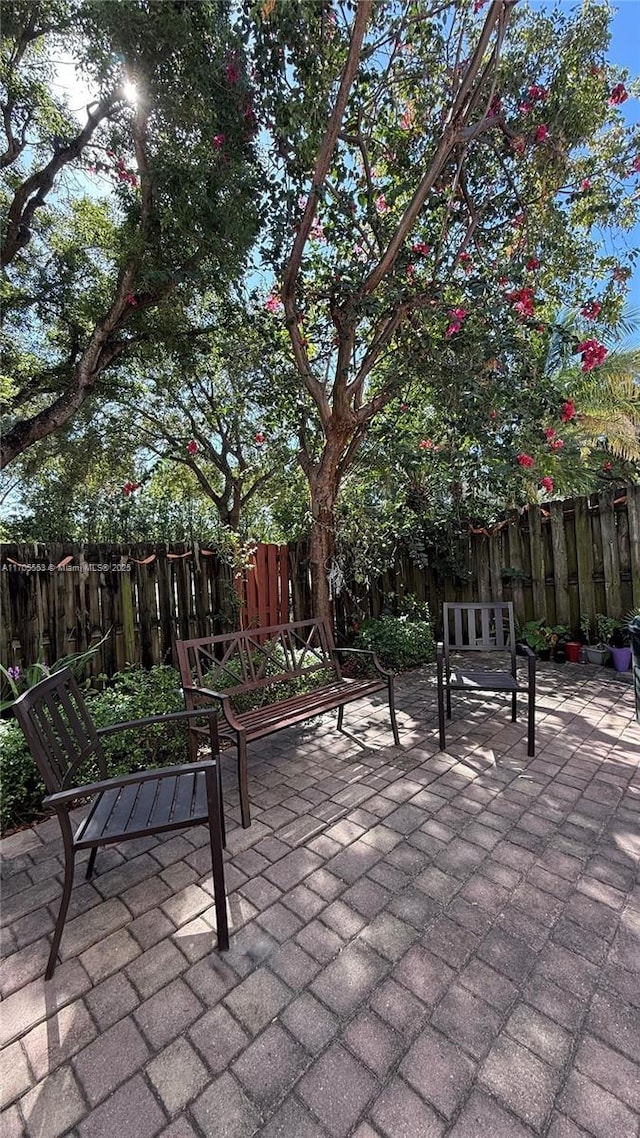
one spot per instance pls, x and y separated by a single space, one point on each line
392 714
514 707
243 782
531 724
340 716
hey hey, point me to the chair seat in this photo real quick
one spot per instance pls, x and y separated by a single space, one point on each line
145 807
484 681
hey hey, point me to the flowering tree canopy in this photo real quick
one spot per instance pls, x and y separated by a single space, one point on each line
439 171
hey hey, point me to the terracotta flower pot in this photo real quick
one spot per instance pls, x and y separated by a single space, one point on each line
573 649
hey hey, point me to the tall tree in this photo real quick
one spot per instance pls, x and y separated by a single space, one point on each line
111 225
417 147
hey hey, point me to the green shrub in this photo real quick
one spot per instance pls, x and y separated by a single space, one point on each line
21 788
219 680
132 694
399 641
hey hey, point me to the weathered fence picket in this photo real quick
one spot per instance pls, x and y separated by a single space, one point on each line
557 562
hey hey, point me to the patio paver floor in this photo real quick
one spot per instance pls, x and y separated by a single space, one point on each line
423 944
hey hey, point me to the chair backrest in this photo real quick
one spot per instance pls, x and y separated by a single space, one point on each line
59 731
487 626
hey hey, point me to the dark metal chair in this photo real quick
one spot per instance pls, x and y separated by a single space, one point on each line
62 739
483 628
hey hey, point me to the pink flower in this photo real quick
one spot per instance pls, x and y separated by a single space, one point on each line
218 141
585 185
524 460
635 165
130 299
273 303
458 313
406 122
523 300
593 354
591 310
466 260
568 411
192 447
232 71
493 414
607 466
618 95
456 316
503 280
532 264
382 206
547 484
259 438
479 5
537 93
317 231
421 249
410 272
425 444
549 433
556 444
542 133
129 488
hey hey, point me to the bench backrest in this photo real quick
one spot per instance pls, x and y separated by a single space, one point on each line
239 662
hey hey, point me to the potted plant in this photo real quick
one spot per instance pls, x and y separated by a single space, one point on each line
597 653
572 649
542 638
620 647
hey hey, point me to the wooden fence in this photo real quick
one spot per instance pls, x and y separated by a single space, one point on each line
59 599
556 562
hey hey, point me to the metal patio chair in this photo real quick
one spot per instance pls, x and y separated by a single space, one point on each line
63 738
485 628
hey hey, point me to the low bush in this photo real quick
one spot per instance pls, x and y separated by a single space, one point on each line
400 642
219 679
132 694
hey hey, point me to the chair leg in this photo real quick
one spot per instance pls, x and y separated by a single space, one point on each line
448 704
392 714
531 725
217 863
69 867
223 828
340 716
243 781
514 707
91 863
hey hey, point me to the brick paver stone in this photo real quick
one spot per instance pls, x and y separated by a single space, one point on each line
224 1111
344 984
258 999
373 1041
310 1022
111 1059
521 1080
53 1106
338 1089
218 1037
291 1120
438 1071
270 1066
399 1113
167 1013
594 1108
131 1110
14 1074
51 1043
483 1117
178 1075
611 1069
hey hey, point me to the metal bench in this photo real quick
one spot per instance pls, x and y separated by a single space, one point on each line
279 662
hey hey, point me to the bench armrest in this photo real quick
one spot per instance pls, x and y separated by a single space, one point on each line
62 797
209 693
367 652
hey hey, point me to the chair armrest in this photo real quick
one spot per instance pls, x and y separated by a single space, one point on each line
62 797
367 652
167 718
525 650
209 692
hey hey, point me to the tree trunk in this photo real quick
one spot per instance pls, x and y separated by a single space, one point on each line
323 486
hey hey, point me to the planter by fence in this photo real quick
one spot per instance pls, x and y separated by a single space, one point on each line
595 655
573 648
621 658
